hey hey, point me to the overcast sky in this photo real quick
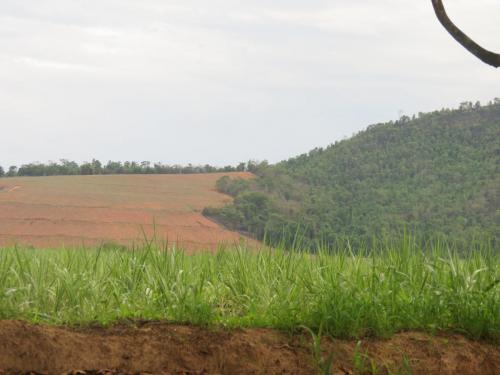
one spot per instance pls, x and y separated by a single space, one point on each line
222 81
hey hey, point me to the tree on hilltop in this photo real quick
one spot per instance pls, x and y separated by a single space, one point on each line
12 171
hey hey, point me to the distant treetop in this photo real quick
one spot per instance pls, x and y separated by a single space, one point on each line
95 167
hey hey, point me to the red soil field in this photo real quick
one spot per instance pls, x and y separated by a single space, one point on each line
84 211
161 348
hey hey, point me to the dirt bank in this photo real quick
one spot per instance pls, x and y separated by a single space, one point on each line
160 348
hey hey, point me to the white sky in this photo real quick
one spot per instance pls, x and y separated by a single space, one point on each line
223 81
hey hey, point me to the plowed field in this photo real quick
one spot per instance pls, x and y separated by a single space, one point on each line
51 212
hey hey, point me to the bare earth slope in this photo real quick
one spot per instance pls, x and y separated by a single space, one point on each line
160 348
88 210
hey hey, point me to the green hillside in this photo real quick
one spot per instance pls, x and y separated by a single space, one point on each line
435 175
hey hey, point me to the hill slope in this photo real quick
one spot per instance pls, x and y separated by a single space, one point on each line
436 175
51 212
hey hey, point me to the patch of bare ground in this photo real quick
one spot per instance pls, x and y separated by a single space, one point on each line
161 348
87 211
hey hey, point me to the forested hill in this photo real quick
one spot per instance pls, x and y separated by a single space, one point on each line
436 175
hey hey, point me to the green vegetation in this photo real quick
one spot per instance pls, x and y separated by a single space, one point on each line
337 293
66 168
436 175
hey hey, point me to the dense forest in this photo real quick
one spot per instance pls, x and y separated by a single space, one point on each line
435 175
66 167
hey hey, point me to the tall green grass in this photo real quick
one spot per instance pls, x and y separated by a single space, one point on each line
342 293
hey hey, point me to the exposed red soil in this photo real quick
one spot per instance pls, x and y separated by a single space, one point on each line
160 348
75 211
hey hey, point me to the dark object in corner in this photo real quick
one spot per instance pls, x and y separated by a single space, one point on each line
484 55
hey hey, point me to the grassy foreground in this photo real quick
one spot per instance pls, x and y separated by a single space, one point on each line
339 293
